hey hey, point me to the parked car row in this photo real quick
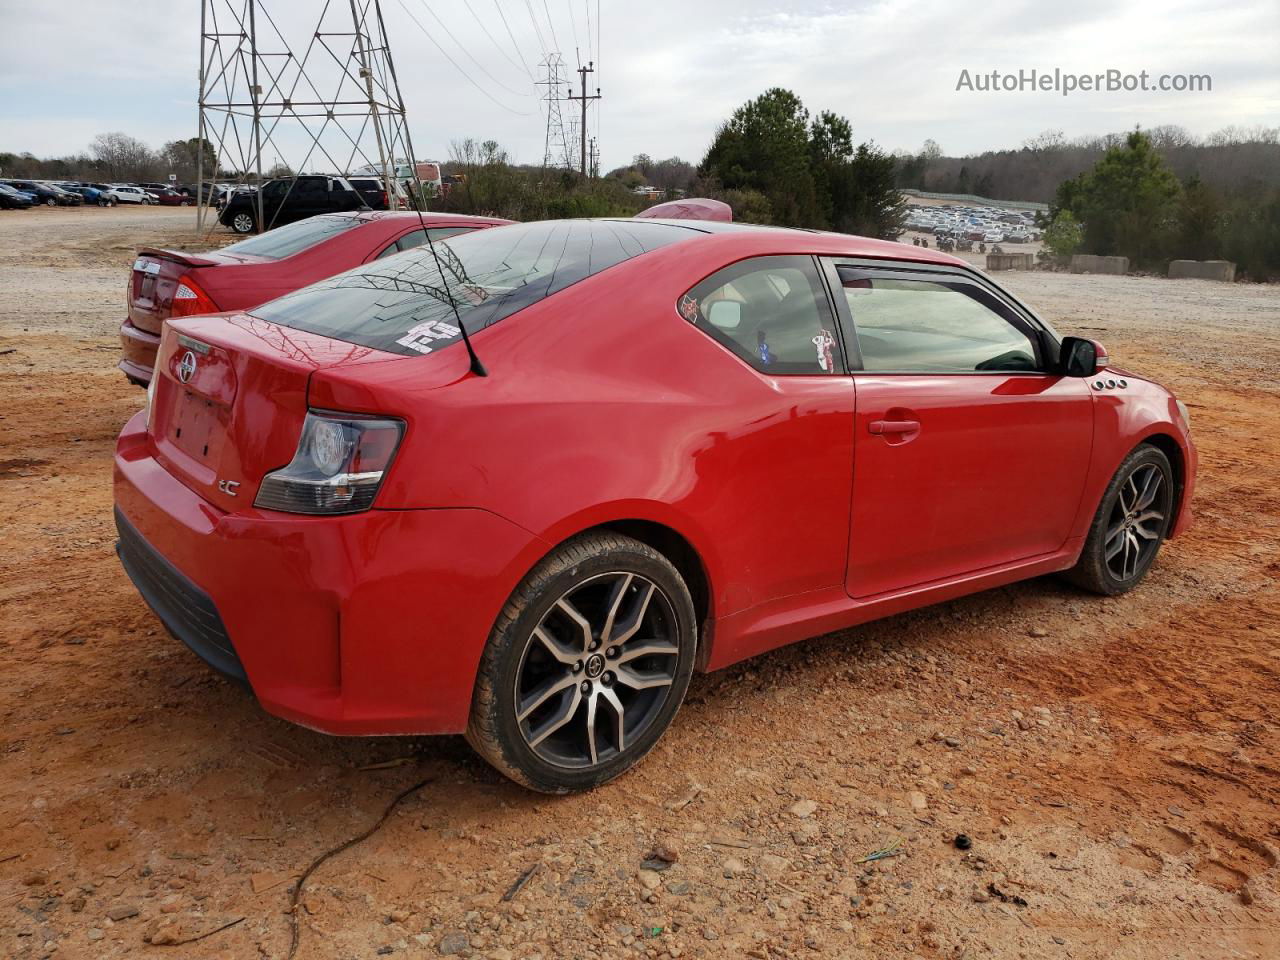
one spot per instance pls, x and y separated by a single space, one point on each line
978 224
74 193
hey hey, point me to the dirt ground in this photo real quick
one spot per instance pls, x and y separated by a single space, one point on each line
1116 763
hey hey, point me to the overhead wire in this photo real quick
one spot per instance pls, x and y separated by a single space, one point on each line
470 79
461 46
506 56
512 36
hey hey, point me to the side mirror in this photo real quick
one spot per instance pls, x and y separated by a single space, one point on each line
1081 357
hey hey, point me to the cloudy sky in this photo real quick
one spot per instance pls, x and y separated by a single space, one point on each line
670 70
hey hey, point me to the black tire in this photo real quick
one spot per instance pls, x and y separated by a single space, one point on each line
618 571
243 223
1113 527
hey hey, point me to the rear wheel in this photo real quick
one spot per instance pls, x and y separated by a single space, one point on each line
242 223
1131 523
51 202
586 666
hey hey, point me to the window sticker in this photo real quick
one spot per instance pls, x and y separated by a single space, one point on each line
423 336
766 355
823 342
689 308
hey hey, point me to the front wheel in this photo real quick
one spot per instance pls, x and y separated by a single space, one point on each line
242 223
1131 523
586 666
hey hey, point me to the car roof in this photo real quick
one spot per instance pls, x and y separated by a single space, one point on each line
432 216
757 239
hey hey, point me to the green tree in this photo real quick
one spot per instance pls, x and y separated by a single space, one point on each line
1128 202
1064 235
1199 217
764 147
773 165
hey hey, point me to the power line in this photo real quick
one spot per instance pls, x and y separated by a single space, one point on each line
470 79
483 69
512 35
577 51
542 41
551 23
506 56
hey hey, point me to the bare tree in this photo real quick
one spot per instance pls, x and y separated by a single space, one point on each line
120 157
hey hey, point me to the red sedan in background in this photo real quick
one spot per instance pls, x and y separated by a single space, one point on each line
167 283
523 485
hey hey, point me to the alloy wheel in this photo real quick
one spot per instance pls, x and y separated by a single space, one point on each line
597 670
242 222
1137 522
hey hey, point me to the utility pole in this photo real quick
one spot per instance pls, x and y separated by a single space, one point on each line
585 101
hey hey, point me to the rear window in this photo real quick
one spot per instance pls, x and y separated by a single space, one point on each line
286 241
405 304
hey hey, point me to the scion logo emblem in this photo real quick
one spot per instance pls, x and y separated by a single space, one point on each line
228 487
187 367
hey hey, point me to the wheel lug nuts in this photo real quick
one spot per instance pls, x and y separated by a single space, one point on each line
611 653
586 686
607 679
577 667
595 645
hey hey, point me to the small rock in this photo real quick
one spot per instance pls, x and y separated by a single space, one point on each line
771 865
732 867
399 915
951 742
963 842
709 934
95 934
649 879
453 942
969 771
1038 632
803 808
805 833
122 912
501 953
981 896
37 879
917 800
1246 895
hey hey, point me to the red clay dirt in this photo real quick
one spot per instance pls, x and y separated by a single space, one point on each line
1115 763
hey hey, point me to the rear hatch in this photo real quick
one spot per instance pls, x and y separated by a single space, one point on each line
155 278
230 397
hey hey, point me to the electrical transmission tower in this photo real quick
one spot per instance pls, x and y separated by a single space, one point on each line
557 152
338 105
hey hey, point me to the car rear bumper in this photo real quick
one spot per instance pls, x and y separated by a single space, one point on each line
138 350
371 623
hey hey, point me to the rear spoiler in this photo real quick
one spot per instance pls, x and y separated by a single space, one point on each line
692 208
187 259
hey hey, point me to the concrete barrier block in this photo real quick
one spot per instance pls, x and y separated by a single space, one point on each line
1221 270
1092 263
1010 261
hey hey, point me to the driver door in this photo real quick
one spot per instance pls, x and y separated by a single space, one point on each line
968 453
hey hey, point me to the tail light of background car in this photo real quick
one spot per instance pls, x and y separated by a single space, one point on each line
338 467
190 300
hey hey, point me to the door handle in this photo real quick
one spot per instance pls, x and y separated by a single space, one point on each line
893 426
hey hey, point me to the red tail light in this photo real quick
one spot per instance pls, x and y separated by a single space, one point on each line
384 200
190 300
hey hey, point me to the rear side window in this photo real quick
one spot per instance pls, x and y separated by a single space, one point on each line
418 237
409 305
286 241
771 311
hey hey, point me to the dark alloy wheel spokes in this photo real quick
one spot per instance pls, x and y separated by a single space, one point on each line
597 669
1136 523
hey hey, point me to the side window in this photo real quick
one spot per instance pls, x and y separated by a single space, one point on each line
275 190
771 311
925 326
418 237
